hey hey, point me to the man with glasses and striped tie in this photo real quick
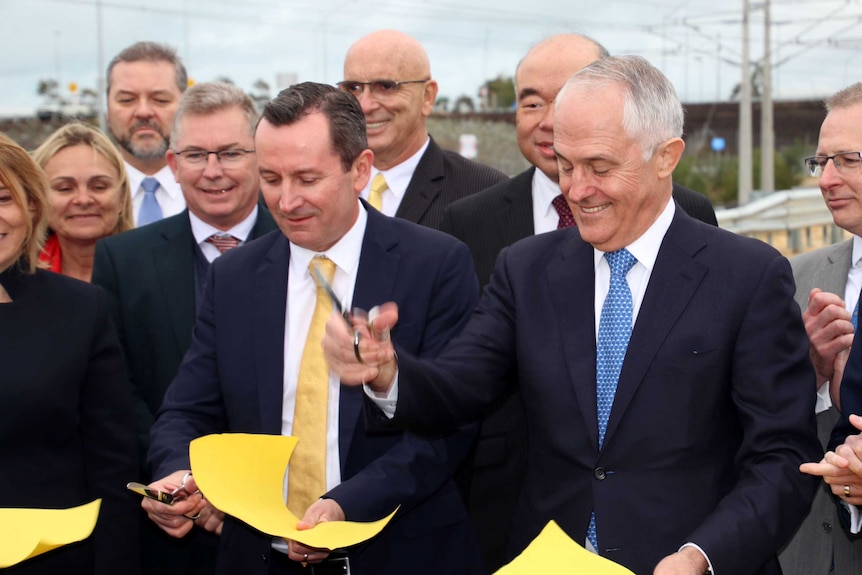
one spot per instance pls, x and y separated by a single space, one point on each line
155 274
828 281
412 177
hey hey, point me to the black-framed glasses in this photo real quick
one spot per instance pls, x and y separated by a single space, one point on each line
379 88
226 157
844 162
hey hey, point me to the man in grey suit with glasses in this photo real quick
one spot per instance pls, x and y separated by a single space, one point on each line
828 282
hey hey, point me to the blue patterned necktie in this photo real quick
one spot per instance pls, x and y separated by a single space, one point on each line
615 329
854 319
150 210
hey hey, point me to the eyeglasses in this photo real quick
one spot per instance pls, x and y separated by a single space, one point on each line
228 157
845 162
379 88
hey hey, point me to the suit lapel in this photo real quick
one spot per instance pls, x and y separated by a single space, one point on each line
672 284
836 268
174 261
269 309
375 284
515 221
572 292
424 186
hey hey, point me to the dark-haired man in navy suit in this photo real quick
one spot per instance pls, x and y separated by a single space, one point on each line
253 365
662 361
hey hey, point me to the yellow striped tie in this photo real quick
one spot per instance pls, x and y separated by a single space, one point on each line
375 196
307 478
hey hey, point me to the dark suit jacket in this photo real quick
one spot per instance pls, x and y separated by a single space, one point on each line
66 436
149 274
488 222
712 416
440 178
233 383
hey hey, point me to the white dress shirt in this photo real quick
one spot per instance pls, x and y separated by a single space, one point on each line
202 230
545 216
301 300
397 180
169 195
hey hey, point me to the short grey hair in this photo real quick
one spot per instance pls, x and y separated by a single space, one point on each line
151 52
849 96
652 112
209 97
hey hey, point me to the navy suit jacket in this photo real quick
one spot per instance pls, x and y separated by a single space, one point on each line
713 411
487 222
149 274
233 383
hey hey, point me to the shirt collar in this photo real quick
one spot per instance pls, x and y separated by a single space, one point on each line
164 175
202 230
544 191
645 248
345 252
398 177
857 252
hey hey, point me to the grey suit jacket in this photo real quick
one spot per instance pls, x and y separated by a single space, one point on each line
440 178
820 537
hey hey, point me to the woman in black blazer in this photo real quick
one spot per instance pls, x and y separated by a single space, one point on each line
66 428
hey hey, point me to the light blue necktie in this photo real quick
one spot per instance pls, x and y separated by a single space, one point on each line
854 319
615 329
150 210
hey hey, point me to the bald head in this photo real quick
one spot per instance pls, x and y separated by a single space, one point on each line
395 120
538 78
389 52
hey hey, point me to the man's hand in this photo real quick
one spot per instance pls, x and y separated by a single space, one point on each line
176 519
830 333
686 561
320 511
368 360
842 469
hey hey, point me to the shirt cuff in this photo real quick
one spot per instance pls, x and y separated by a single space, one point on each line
384 402
709 570
824 401
855 519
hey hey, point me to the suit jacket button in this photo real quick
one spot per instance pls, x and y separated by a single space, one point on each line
600 473
264 558
827 527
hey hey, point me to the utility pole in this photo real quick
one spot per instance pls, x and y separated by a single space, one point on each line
767 130
101 88
745 122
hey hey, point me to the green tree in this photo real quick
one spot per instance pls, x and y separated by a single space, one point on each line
501 92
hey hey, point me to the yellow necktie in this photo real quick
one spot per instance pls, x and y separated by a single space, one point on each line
375 196
307 478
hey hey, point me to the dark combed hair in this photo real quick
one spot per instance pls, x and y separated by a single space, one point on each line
346 120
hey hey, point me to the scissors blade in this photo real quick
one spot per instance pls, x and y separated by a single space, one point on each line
321 281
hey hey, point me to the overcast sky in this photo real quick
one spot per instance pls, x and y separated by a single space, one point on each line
816 43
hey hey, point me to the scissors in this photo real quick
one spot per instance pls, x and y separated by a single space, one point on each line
322 282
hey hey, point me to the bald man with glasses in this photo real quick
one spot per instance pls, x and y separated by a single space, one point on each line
412 177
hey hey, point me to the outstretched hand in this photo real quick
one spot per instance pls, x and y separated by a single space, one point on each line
364 355
842 469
